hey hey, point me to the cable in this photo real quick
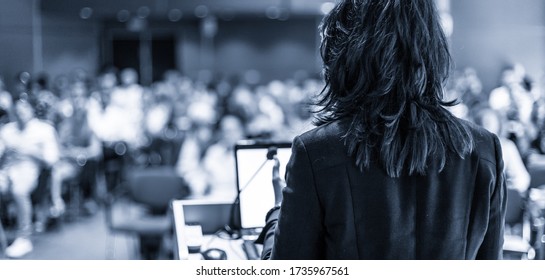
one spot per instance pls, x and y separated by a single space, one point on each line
253 177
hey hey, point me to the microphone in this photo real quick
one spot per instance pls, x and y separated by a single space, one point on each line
272 152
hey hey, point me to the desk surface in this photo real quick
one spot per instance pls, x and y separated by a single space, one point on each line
233 248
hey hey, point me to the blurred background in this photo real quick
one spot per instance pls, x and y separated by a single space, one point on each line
276 38
134 90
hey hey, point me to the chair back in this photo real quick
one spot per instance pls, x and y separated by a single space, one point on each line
3 238
156 187
537 175
515 207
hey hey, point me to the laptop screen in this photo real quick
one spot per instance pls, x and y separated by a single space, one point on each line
210 215
254 179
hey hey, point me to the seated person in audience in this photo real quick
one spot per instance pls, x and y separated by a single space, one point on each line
106 82
159 129
219 160
118 117
79 145
5 103
212 174
45 100
514 99
198 137
242 103
115 116
516 173
30 145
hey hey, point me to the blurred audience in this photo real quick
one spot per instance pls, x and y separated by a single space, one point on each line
517 176
192 125
5 103
45 100
29 145
79 145
219 160
514 100
199 136
118 117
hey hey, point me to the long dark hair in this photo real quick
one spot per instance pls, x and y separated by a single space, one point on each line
385 63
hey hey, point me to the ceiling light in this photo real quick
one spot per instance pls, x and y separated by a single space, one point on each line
272 12
143 12
123 16
85 13
326 7
201 11
174 15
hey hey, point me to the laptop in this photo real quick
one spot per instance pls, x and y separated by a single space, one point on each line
209 216
254 182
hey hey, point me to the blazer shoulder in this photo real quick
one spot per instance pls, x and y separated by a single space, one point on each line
324 132
324 145
486 144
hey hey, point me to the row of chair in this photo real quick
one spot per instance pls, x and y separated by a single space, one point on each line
138 208
526 215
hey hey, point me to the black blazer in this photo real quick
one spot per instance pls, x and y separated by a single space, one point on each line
331 210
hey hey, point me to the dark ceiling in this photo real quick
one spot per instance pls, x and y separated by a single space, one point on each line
109 9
